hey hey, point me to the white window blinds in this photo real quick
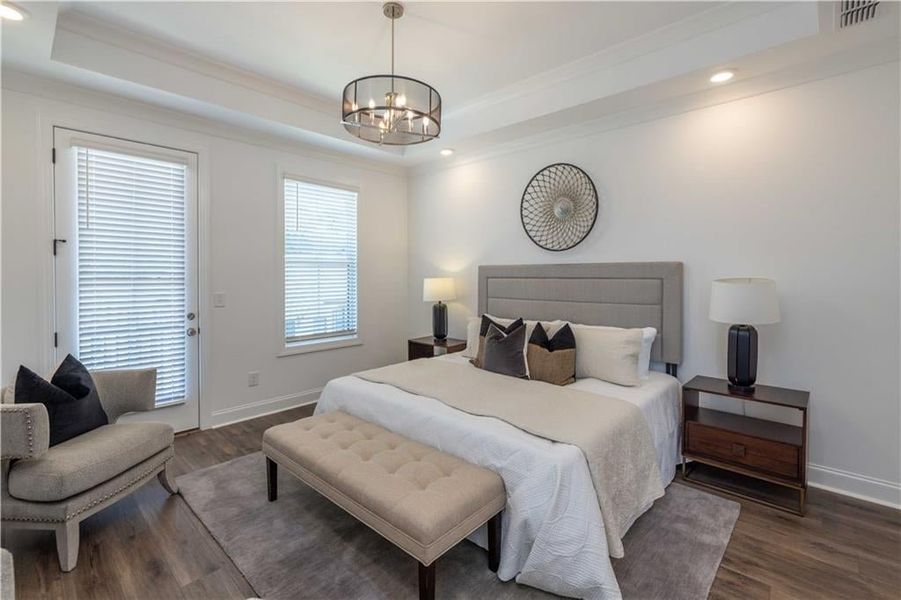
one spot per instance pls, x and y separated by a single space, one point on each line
320 262
132 266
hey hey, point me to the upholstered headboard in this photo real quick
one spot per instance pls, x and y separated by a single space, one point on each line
640 294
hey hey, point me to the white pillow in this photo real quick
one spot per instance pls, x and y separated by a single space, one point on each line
472 337
648 334
608 353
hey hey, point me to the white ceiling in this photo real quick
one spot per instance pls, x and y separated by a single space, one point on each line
505 70
465 50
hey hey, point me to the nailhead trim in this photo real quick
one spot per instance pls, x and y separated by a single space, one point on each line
116 492
29 431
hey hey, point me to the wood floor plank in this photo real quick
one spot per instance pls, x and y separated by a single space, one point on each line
731 584
151 545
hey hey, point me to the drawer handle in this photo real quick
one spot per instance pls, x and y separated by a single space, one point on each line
738 450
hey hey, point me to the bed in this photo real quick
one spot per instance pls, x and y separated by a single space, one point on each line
554 534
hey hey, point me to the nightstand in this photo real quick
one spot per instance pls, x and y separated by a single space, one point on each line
424 347
757 459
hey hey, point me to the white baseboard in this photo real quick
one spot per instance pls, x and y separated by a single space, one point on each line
267 406
863 487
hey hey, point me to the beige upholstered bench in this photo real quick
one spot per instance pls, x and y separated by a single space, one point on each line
422 500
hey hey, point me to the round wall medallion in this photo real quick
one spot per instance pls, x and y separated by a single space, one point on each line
559 207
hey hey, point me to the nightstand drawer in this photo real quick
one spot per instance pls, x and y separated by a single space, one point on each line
768 456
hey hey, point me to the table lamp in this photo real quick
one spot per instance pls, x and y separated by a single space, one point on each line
743 302
436 289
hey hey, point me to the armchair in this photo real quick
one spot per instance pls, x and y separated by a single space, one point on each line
57 488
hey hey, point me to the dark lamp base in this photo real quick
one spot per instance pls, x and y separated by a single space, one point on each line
439 321
741 363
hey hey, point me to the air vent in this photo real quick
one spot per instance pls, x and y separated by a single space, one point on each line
852 12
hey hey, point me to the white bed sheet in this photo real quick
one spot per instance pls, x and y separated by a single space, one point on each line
553 534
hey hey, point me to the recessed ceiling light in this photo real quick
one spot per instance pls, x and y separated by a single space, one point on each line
722 76
11 12
447 151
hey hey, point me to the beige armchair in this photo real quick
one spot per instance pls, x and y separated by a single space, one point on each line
57 488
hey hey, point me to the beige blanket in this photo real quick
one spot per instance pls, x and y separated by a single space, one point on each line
612 433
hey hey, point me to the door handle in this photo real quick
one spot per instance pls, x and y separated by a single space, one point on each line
191 332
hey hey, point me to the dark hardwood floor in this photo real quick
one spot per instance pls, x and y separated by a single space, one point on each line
151 545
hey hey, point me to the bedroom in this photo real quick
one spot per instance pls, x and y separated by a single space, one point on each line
787 170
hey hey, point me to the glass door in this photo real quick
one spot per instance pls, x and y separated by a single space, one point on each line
125 264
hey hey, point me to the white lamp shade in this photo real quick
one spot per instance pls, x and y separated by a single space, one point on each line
435 289
744 301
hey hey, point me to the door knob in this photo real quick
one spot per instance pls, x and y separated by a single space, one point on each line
191 332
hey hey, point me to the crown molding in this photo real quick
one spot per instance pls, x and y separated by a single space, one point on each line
55 91
588 66
74 22
168 73
868 56
718 38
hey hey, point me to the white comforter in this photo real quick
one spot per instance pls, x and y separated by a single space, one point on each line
553 534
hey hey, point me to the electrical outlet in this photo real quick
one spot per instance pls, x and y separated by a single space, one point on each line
253 379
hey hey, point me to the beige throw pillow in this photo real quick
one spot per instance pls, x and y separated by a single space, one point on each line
608 353
552 359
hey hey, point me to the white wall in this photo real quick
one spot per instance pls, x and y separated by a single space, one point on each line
239 180
799 185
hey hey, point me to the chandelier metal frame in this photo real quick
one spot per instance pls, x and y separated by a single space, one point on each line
393 121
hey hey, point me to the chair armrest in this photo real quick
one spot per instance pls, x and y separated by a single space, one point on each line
24 430
125 391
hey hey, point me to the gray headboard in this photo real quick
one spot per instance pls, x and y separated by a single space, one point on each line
640 294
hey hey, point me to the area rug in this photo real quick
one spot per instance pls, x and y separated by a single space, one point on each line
303 546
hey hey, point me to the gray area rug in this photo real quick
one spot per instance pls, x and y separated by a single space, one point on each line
303 546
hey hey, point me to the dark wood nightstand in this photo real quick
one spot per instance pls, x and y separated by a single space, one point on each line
757 459
424 347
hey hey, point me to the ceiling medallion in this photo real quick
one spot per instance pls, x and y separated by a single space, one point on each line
391 109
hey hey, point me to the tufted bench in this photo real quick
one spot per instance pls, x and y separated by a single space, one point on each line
422 500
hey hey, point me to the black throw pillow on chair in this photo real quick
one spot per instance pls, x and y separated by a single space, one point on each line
73 405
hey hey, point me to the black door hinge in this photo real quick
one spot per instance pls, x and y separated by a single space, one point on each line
56 242
53 155
55 340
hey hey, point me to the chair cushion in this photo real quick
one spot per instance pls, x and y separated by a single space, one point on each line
86 461
421 499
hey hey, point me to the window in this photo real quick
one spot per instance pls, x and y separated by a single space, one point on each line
132 266
320 262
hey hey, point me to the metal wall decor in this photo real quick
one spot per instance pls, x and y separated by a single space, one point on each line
559 207
391 109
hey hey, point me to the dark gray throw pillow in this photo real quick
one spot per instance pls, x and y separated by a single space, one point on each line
73 405
504 351
483 331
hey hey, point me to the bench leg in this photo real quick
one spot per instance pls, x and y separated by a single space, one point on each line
427 581
494 541
272 479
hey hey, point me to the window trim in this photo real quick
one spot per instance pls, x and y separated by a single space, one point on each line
286 348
